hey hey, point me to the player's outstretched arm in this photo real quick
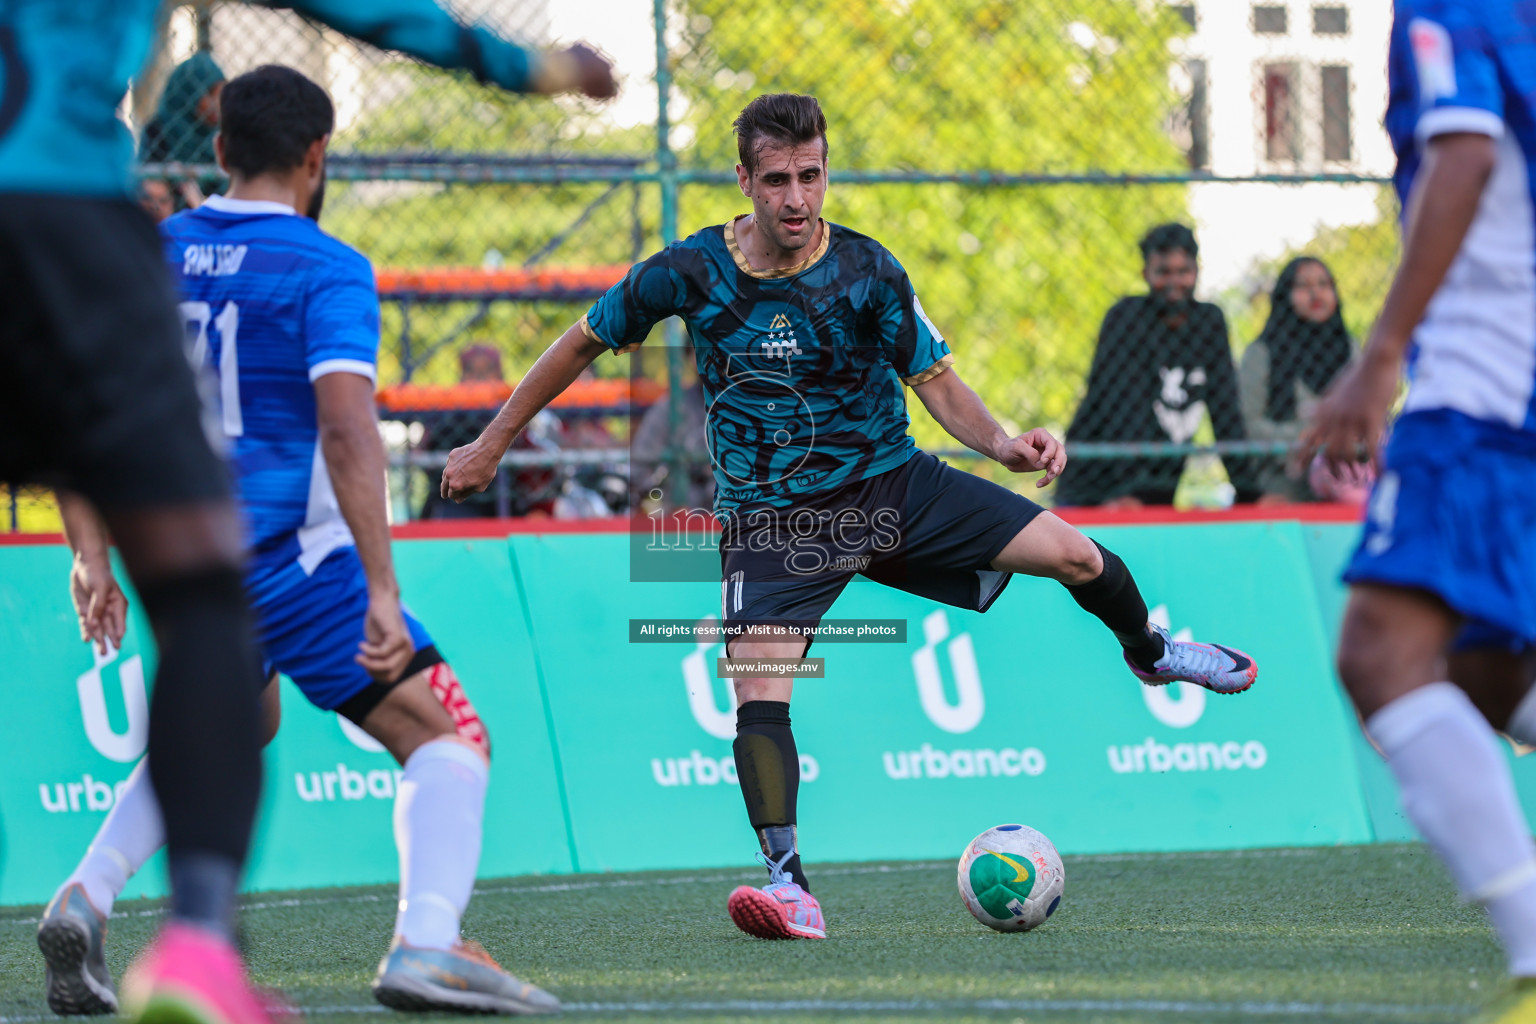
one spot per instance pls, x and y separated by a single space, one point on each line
99 602
422 29
1348 423
471 469
962 413
354 454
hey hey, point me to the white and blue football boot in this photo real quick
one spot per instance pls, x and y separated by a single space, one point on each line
1217 668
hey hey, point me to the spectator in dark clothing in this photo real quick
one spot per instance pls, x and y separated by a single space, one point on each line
1162 363
1303 347
532 490
187 118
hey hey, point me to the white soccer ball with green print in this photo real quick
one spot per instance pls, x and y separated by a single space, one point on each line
1011 878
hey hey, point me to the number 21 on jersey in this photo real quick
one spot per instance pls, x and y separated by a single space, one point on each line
227 323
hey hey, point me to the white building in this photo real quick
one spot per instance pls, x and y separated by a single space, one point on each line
1281 87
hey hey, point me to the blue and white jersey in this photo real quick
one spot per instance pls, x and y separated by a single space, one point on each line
1470 66
272 303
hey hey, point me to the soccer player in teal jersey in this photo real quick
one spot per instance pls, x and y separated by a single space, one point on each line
97 399
804 334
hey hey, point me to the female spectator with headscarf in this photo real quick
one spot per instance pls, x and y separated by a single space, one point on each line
187 118
1303 347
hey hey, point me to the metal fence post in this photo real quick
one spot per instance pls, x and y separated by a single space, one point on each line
666 165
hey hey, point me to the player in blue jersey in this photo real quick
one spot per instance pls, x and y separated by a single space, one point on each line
804 334
1443 583
97 399
288 320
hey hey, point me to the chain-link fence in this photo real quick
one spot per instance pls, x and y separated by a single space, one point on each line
1013 154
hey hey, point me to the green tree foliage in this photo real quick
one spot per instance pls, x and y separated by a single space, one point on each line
1362 257
1017 277
409 225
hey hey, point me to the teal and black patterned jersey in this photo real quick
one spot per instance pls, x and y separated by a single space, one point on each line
801 368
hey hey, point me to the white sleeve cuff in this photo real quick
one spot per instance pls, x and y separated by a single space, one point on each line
357 366
1445 120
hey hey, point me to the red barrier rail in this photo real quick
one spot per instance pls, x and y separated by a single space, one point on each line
470 529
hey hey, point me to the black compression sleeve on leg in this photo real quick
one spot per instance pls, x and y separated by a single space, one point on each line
768 768
204 737
1116 601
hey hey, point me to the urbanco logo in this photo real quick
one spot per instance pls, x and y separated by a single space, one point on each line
88 793
702 700
1179 706
1185 709
128 745
965 714
704 691
346 783
962 716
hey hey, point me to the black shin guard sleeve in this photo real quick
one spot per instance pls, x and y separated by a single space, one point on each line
204 717
1116 601
767 764
768 768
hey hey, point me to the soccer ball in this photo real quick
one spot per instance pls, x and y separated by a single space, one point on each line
1011 878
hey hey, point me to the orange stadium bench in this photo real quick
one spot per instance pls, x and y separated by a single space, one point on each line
511 284
611 396
408 289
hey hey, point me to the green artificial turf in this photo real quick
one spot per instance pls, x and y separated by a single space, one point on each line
1347 934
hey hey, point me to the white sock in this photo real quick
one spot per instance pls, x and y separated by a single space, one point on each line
1458 791
439 808
131 834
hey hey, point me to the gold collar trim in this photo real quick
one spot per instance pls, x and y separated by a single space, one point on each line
750 271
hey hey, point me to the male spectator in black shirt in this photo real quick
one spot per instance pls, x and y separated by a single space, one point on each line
1163 361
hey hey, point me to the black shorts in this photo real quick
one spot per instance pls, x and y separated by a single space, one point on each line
924 527
96 394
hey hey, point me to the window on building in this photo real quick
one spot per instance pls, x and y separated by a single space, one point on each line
1187 12
1189 123
1199 118
1270 20
1330 21
1282 141
1336 140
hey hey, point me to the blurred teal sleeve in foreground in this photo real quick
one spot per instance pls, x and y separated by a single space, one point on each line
420 28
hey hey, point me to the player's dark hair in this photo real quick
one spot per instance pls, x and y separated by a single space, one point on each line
786 118
269 117
1167 238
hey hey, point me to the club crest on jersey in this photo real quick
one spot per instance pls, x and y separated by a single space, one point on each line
1435 58
781 342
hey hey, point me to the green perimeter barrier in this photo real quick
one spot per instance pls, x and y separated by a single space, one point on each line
1023 714
1329 547
326 815
612 755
